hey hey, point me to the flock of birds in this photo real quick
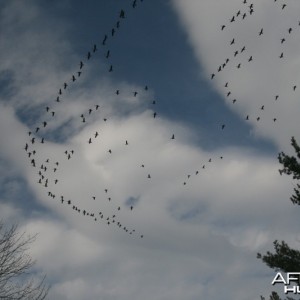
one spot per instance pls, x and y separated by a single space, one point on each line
48 168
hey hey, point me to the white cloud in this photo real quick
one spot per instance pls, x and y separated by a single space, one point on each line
200 238
256 83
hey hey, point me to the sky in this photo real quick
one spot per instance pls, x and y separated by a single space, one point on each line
153 172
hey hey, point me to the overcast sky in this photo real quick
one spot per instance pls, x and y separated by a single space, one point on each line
152 173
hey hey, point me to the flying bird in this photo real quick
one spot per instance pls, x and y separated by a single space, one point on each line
104 40
122 14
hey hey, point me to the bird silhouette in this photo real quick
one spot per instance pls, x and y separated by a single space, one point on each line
122 14
104 40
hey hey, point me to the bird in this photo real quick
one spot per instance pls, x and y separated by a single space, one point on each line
104 40
247 117
263 107
73 77
250 58
258 118
78 73
112 32
212 76
107 54
261 31
226 84
149 176
57 99
110 151
90 141
290 30
154 115
233 101
95 48
232 42
97 106
236 53
228 94
81 65
111 68
96 134
126 142
294 87
243 49
122 14
223 126
173 137
44 123
283 6
223 27
239 66
117 92
232 19
281 55
282 40
135 93
274 119
276 97
47 108
65 86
